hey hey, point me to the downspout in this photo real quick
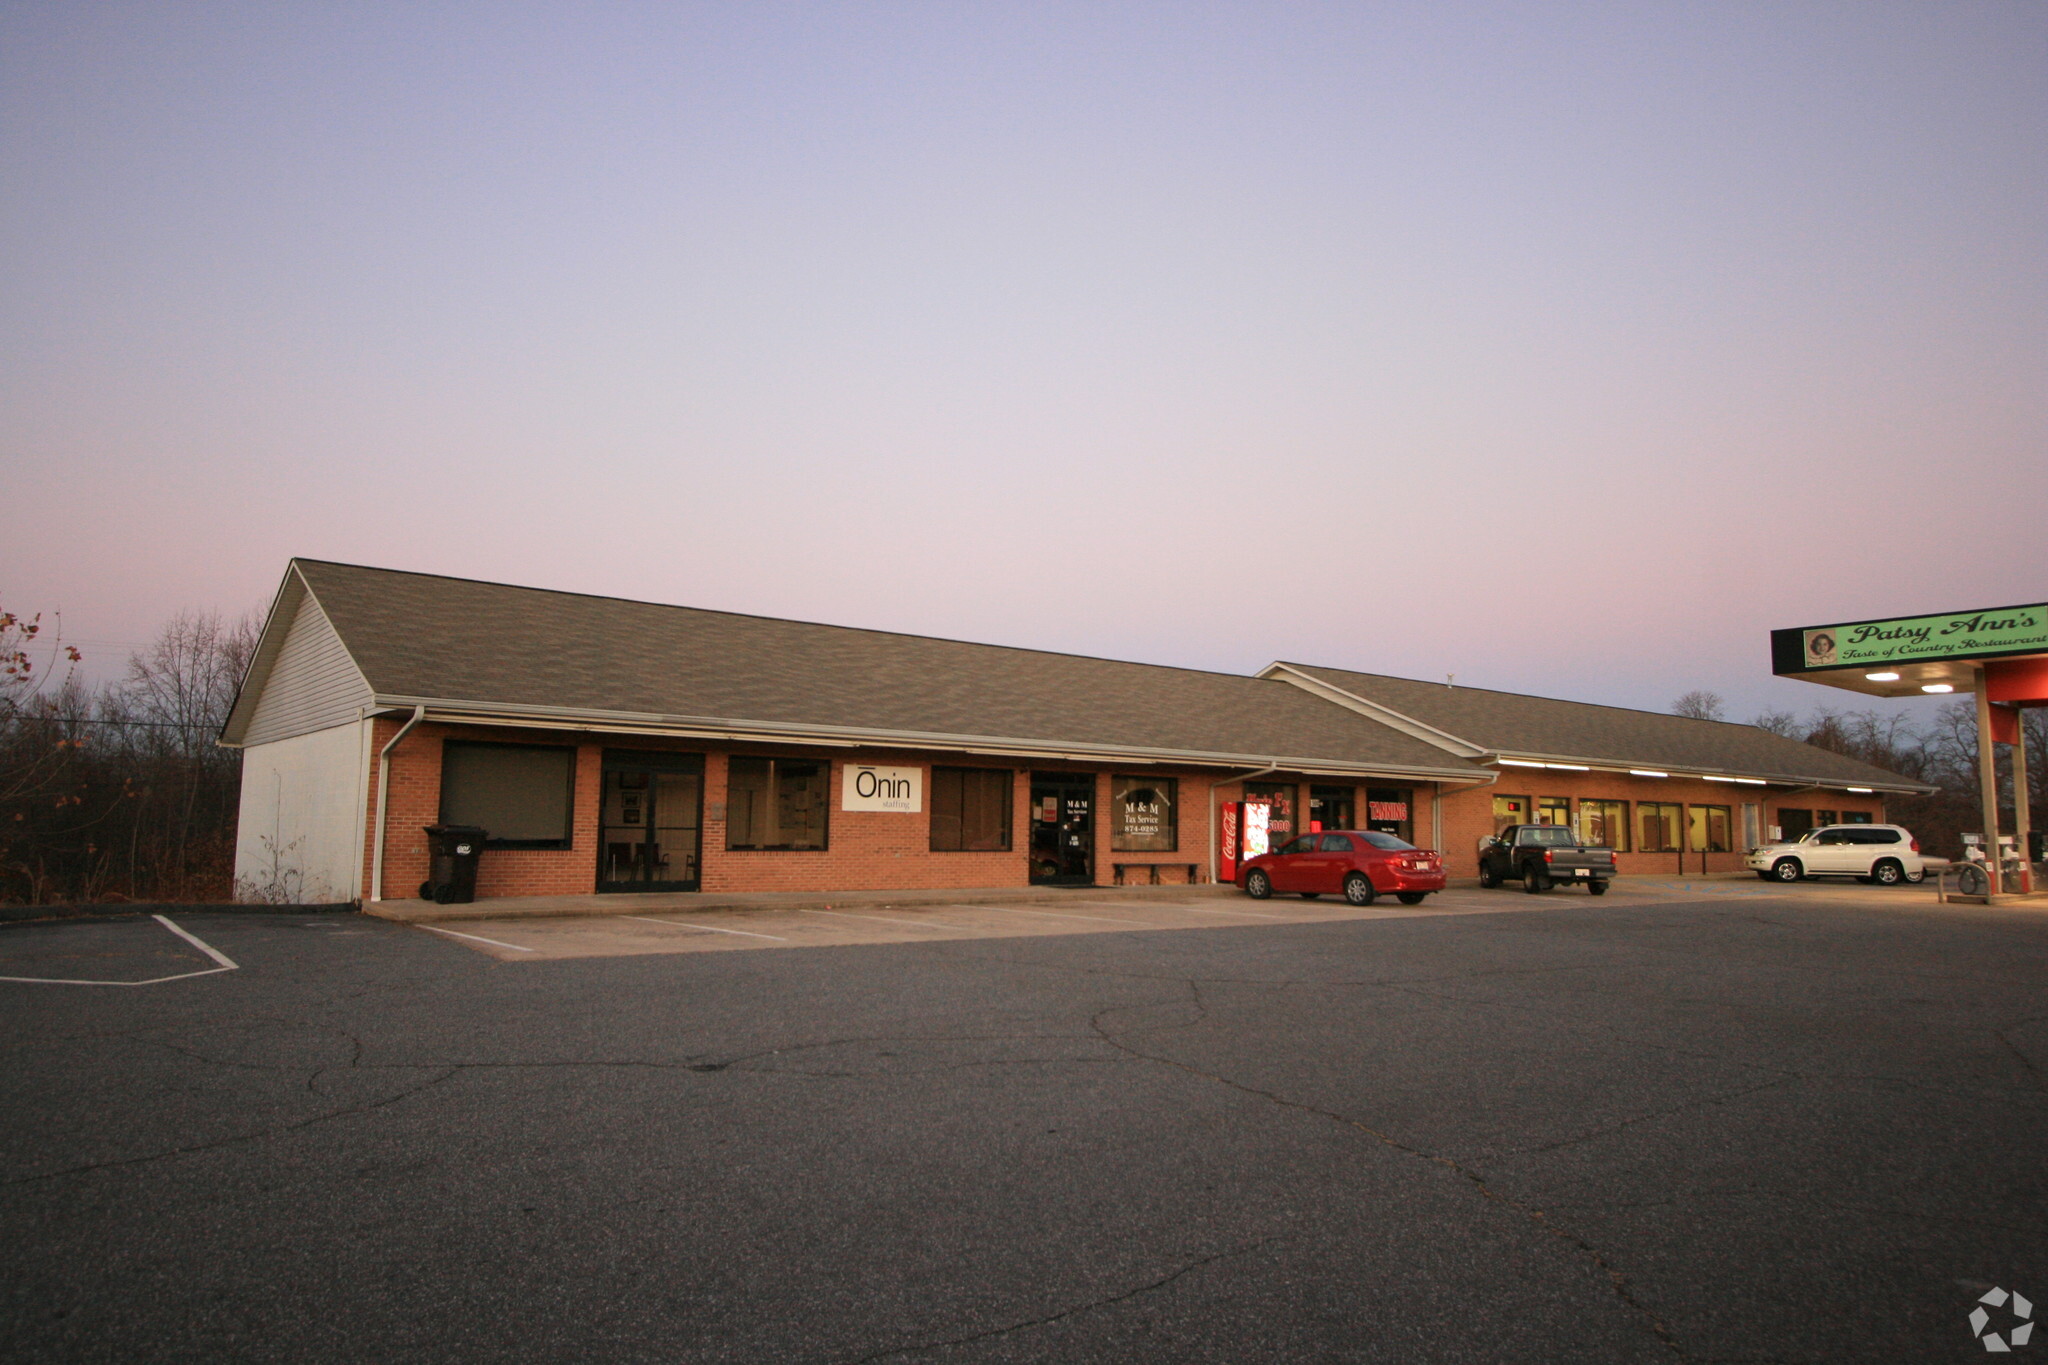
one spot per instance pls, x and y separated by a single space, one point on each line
419 713
1272 767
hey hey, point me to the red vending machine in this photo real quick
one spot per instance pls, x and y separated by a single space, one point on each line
1243 835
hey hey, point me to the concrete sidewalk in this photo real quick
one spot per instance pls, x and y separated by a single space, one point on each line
698 902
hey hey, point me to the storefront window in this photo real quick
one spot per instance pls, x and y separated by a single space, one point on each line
1390 810
1279 796
1331 807
1509 810
1855 817
521 793
1657 826
775 803
1554 810
1826 817
1793 823
1142 815
1604 823
971 809
1710 828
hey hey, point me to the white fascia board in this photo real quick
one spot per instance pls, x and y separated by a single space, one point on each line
447 709
283 610
292 595
1621 767
1372 710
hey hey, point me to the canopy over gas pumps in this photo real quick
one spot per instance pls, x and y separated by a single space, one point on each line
2000 654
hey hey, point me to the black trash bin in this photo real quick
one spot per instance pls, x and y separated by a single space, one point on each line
452 851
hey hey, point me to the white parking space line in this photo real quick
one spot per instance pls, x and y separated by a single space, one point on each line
221 958
681 924
1049 914
195 941
474 938
883 919
1198 910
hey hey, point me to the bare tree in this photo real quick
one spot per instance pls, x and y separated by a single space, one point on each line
1784 724
1700 704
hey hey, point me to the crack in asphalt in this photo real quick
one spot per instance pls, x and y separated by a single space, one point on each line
1608 1130
278 1130
1090 1306
1617 1281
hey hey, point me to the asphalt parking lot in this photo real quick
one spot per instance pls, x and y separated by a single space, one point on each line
1688 1124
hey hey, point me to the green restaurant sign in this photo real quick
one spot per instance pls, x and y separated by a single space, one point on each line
1911 640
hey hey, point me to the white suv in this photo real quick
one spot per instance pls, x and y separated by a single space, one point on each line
1885 854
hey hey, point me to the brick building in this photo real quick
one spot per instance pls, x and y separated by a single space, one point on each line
610 745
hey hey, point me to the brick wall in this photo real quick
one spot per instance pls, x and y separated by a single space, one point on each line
866 850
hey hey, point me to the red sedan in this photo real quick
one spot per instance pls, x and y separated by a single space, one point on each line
1359 864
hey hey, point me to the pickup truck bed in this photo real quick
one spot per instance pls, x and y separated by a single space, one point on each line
1541 856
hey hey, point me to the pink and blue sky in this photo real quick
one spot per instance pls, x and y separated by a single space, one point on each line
1192 333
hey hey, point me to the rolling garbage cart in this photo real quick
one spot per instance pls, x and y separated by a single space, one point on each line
453 851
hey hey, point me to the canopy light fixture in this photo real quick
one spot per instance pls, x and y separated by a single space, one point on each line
1646 772
1570 767
1711 778
1518 763
1937 687
1752 781
1861 791
1881 677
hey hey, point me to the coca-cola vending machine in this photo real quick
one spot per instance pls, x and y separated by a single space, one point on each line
1245 833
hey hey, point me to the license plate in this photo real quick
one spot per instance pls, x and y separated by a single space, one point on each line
1582 872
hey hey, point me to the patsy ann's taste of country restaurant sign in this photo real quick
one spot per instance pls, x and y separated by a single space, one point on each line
1910 653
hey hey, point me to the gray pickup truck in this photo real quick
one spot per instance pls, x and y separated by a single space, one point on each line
1540 856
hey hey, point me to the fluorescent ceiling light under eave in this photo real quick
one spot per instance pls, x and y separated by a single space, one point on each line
1862 791
1752 781
1880 677
1646 772
1708 777
1570 767
1937 687
1517 763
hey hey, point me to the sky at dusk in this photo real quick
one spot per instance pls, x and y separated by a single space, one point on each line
1566 348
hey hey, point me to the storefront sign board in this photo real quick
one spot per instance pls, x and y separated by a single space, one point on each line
1911 639
869 788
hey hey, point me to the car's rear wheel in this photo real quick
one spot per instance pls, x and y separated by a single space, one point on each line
1888 872
1359 890
1410 897
1915 876
1596 888
1787 870
1535 881
1258 885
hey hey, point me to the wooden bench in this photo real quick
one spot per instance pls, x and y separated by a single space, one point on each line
1192 871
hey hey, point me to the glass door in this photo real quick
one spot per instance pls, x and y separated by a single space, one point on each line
1063 829
650 825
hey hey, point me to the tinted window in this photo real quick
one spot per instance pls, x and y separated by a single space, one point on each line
1305 844
1386 841
1337 843
522 793
1547 836
1834 836
1875 836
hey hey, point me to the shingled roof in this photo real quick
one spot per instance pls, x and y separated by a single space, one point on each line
1485 724
465 647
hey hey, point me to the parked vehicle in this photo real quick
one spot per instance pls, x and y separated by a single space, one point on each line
1361 865
1884 854
1540 856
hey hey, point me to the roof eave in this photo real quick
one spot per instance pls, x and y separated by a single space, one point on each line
464 710
1618 765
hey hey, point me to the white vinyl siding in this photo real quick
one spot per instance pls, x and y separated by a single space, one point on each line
299 837
313 685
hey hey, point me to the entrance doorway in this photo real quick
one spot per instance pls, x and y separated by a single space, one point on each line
1063 829
650 831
